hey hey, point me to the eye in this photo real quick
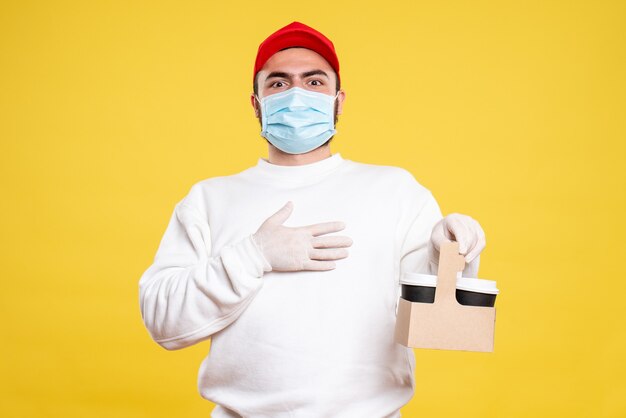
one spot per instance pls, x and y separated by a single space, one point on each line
278 84
316 83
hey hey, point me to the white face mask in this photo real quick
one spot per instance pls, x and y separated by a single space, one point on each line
297 120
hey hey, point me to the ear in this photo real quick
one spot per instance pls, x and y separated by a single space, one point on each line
341 96
255 105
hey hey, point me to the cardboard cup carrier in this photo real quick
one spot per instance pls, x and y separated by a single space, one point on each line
462 315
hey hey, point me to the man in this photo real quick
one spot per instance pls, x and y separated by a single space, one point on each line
301 320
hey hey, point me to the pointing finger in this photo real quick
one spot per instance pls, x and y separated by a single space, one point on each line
325 227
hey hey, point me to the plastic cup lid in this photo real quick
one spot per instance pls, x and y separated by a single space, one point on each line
462 283
419 279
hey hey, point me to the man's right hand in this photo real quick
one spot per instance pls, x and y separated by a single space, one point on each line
300 248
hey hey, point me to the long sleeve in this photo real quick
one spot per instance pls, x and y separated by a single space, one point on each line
417 255
414 230
414 253
186 295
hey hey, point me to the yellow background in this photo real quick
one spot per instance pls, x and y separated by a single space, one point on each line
511 112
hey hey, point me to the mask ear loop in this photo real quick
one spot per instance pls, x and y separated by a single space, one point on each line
258 101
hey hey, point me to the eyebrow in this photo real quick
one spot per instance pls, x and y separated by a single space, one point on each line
314 72
280 74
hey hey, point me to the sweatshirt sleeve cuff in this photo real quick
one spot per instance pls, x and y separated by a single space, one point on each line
249 257
265 265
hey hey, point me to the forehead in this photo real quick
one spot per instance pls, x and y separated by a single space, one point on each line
295 60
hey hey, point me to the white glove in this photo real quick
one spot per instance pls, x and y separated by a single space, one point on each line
300 248
467 232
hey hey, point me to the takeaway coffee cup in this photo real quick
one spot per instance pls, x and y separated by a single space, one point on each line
417 287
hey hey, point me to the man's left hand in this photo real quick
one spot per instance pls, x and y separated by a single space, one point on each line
464 230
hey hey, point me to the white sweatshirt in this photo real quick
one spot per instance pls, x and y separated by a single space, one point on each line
304 344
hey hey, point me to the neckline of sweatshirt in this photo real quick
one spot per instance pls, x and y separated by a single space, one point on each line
296 174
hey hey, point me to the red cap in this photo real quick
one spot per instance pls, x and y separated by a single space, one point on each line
292 35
